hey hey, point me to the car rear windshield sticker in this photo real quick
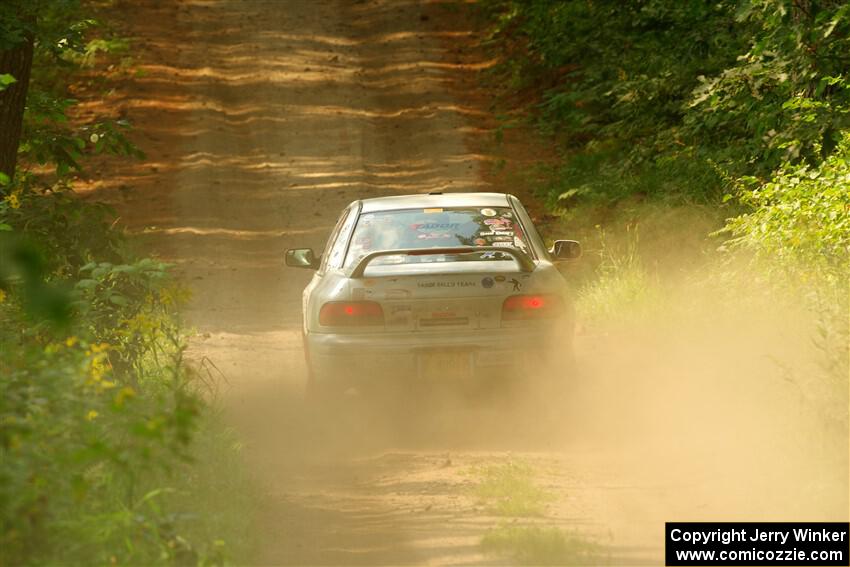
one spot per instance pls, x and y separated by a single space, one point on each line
488 212
435 225
428 211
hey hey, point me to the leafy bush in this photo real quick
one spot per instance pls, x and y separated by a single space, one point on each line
800 218
102 425
672 98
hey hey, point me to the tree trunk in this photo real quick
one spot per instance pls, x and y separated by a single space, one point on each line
18 63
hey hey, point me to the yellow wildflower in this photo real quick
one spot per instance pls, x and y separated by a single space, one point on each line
2 296
70 341
91 415
14 201
123 395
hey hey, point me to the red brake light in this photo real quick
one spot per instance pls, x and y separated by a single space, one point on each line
351 314
543 306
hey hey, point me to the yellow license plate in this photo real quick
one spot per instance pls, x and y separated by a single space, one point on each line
445 365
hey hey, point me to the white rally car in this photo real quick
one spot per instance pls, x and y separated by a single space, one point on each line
446 286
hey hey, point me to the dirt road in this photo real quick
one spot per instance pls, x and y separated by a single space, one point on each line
261 120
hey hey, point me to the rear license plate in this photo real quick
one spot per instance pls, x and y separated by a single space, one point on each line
451 365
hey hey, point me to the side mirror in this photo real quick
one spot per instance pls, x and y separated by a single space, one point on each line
301 258
565 250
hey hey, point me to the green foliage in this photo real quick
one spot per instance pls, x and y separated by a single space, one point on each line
6 80
540 545
786 97
56 25
800 218
78 435
59 30
102 425
509 490
798 231
622 288
674 98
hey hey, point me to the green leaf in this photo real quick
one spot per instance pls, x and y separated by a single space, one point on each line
6 80
87 284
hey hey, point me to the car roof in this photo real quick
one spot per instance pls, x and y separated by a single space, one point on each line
424 201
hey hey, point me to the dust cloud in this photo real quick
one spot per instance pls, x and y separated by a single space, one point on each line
701 409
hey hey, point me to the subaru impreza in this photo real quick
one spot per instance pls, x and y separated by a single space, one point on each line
450 287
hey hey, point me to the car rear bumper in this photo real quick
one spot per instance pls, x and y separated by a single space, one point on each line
355 358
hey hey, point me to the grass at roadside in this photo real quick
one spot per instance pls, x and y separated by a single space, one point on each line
510 490
215 494
540 545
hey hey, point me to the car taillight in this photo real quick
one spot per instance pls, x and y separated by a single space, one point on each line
542 306
351 314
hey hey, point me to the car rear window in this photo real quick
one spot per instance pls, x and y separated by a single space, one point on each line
435 228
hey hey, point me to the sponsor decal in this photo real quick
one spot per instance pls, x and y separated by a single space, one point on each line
446 284
435 225
498 224
433 235
517 284
503 244
499 279
488 212
487 282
